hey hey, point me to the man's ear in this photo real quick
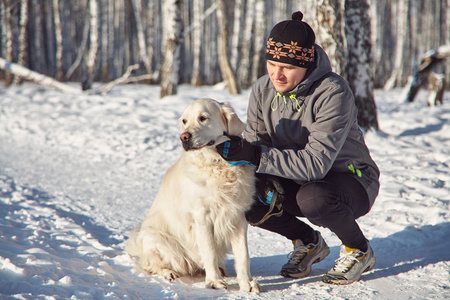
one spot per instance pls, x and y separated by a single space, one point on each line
232 122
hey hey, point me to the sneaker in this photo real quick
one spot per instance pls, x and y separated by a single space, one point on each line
350 265
301 259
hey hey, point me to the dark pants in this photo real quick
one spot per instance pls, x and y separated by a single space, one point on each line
334 202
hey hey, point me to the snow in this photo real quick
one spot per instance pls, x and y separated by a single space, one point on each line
78 172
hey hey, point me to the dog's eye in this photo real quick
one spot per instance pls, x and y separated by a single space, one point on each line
184 121
202 119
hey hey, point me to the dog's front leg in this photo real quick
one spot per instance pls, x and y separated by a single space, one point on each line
204 232
242 259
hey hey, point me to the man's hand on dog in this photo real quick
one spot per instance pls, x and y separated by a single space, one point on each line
237 151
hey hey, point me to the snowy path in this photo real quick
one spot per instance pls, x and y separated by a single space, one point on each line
78 173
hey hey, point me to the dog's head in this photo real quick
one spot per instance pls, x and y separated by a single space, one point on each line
206 122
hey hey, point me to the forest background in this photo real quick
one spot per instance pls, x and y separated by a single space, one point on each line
90 41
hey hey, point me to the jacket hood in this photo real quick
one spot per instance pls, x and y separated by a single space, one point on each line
321 67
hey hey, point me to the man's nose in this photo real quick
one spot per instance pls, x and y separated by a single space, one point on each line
278 73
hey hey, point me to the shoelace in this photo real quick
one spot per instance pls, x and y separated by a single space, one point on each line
278 95
346 262
296 256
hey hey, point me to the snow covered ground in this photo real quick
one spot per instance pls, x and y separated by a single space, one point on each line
77 173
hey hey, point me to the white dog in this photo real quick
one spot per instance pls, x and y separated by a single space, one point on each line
198 212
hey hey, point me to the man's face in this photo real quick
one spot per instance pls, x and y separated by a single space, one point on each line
284 76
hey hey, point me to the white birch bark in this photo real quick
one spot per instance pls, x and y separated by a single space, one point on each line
402 41
59 41
152 18
93 46
171 47
137 7
197 9
225 68
7 35
3 27
22 55
359 72
330 33
244 65
236 37
259 45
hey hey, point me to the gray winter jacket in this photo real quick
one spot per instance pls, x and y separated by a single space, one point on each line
305 136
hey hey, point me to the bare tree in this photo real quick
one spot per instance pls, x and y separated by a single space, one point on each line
7 36
402 47
237 34
173 30
88 80
197 8
22 55
137 8
359 72
152 21
244 65
59 41
225 67
258 43
330 33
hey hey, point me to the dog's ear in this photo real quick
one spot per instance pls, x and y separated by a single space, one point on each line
234 125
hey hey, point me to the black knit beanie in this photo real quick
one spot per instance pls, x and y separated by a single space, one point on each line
292 42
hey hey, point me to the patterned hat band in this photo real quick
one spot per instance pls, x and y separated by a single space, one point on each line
290 53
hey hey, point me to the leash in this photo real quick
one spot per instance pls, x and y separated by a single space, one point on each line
269 213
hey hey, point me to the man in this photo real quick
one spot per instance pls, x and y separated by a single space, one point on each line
302 130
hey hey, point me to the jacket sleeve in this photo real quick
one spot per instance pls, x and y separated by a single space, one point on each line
255 131
334 113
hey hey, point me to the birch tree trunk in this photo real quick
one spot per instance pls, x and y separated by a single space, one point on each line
171 47
402 44
244 65
225 68
59 41
236 37
359 72
197 9
38 61
22 55
23 46
382 41
7 36
106 38
137 8
151 25
3 28
87 82
118 35
330 35
50 41
259 44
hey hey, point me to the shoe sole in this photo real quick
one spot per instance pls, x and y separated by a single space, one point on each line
308 270
341 280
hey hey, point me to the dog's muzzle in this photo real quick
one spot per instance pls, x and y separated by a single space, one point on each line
188 145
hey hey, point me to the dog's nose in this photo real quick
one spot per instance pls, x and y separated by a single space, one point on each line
185 136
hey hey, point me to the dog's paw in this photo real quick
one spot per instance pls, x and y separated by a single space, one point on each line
169 274
250 286
255 287
218 284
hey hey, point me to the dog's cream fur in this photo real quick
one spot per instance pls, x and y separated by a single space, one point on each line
198 212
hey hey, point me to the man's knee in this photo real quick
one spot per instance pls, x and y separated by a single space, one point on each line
316 199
